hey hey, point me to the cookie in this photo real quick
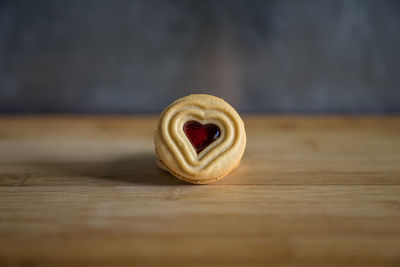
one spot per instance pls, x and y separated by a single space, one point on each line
199 139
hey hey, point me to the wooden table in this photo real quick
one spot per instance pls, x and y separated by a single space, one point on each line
311 191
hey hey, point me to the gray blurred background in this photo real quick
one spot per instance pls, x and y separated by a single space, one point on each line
261 56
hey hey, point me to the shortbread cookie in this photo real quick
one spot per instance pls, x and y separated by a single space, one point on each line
199 139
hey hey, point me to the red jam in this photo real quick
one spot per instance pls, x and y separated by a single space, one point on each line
201 135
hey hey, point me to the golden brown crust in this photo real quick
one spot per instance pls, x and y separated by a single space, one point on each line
162 166
174 151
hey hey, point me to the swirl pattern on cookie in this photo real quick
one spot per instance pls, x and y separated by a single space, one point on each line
175 150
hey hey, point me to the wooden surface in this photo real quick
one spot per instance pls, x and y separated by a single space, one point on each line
311 191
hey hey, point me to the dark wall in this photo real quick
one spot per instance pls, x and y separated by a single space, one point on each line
138 56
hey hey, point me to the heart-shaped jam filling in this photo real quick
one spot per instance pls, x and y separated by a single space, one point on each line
201 135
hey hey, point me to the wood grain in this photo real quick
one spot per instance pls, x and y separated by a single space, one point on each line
311 191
